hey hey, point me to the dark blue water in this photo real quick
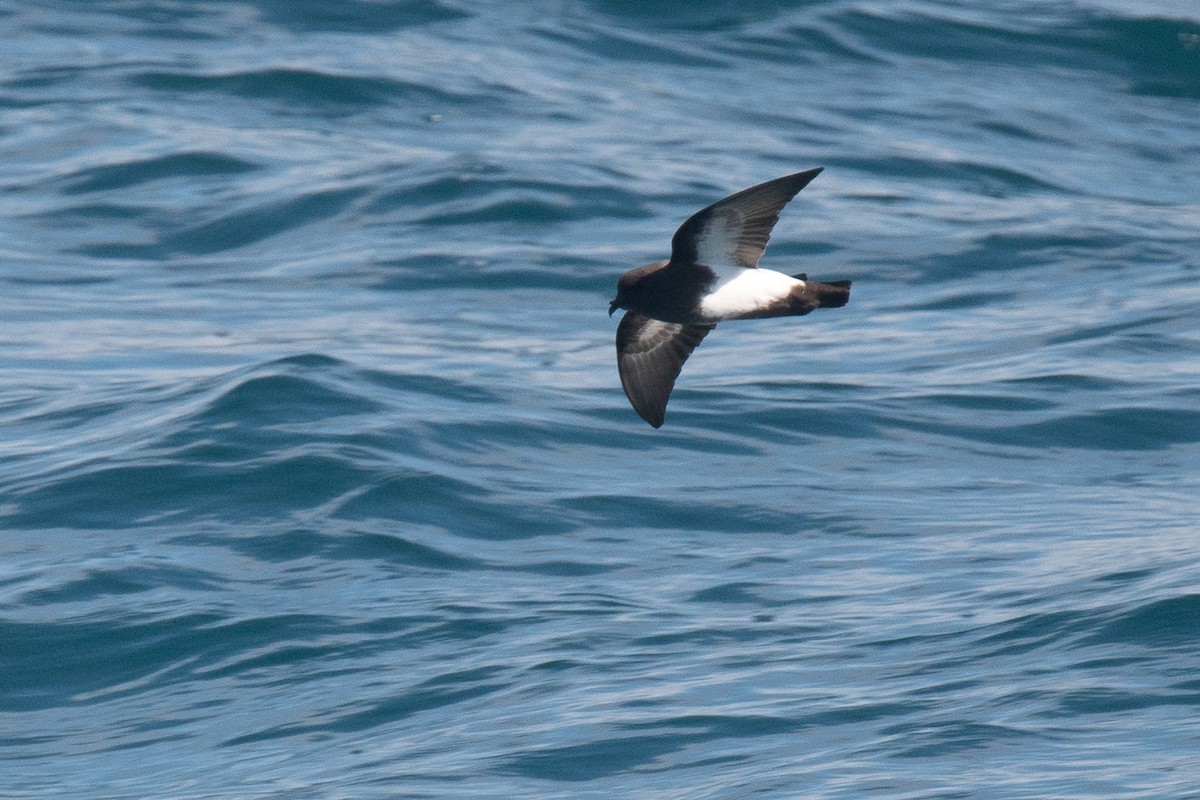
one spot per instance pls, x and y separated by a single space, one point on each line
316 477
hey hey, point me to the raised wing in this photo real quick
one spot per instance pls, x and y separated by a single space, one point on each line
734 231
650 354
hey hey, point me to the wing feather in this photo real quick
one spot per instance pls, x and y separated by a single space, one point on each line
733 232
650 354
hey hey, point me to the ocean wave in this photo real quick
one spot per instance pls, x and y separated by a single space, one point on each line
317 476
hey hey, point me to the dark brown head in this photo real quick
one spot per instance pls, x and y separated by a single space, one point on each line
630 285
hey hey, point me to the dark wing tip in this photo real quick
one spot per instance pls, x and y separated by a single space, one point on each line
747 217
650 354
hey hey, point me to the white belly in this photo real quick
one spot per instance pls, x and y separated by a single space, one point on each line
744 291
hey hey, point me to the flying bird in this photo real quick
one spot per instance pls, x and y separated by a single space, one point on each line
712 276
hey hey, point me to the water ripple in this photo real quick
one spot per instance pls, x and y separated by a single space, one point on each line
317 477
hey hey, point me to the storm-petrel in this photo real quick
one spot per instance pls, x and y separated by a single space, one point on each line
712 276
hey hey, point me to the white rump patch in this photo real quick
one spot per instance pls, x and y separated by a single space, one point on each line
739 291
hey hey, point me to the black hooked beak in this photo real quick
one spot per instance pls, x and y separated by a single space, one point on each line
613 306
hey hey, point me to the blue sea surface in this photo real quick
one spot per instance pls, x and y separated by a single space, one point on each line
316 476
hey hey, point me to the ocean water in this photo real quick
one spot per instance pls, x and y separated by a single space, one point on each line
317 480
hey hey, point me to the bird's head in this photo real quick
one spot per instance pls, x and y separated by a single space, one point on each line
625 289
630 286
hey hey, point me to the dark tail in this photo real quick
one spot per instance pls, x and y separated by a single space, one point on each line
804 298
834 294
811 296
